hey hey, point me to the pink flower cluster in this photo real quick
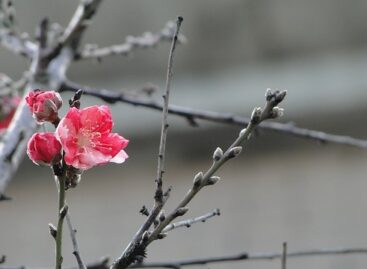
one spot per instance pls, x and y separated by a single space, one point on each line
84 135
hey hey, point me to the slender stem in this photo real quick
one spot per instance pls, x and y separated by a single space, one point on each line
61 181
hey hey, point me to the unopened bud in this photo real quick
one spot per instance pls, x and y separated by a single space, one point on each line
243 132
276 112
44 105
162 216
234 152
198 178
280 96
256 115
218 154
268 94
145 236
53 230
161 236
64 211
212 180
181 211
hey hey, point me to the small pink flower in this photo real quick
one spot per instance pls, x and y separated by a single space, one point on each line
8 105
85 135
44 105
44 148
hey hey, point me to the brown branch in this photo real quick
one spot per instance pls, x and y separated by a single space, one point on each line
147 40
245 256
136 248
218 117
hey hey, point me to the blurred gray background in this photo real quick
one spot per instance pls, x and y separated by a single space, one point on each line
281 189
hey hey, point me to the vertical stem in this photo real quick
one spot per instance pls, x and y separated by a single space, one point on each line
61 181
284 256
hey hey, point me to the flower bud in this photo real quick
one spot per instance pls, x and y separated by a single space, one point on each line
256 115
44 105
181 211
234 152
218 154
198 178
44 148
212 180
276 112
53 230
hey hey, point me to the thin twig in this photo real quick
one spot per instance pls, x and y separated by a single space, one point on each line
164 125
218 117
187 223
244 256
136 248
147 40
2 259
76 251
284 256
201 180
252 257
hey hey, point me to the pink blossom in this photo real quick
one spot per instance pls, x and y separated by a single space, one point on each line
8 105
85 135
44 105
44 148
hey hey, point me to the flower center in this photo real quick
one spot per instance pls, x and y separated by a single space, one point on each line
87 138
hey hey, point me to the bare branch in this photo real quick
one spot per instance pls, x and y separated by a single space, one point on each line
226 118
164 125
136 248
201 180
145 41
2 259
77 25
187 223
244 256
76 251
252 257
9 36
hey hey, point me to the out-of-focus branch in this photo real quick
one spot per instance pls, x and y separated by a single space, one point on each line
9 36
2 259
136 248
245 256
227 118
77 25
147 40
187 223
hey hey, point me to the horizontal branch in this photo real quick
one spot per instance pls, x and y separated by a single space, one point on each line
227 118
147 40
245 256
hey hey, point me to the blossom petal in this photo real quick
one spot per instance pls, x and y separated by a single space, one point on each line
120 157
96 119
